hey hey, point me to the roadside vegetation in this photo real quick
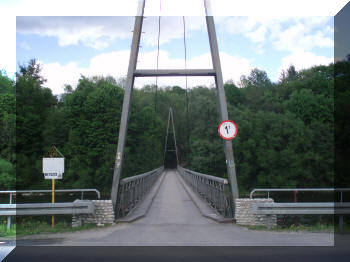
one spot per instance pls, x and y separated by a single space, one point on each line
286 129
30 226
317 228
5 232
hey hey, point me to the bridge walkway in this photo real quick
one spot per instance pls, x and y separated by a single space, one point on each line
173 205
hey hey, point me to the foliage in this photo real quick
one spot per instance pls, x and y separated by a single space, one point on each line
285 129
7 133
32 226
5 232
33 104
342 122
318 227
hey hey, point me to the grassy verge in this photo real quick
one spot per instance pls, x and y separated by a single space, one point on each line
5 232
38 227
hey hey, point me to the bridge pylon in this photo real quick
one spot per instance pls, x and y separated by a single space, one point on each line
166 149
132 73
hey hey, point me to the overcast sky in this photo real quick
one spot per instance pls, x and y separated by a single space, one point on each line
68 46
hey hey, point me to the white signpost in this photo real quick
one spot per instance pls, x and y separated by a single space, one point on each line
227 130
53 168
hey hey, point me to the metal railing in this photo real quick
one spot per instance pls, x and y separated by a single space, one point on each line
325 208
268 190
133 189
214 190
335 208
14 192
70 208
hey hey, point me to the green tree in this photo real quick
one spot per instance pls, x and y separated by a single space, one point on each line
285 129
90 116
34 103
7 133
7 175
342 123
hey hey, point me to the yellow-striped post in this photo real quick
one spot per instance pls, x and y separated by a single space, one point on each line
53 201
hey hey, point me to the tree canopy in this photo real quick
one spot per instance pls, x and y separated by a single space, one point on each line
285 129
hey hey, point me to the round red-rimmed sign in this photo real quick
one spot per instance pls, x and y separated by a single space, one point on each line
227 130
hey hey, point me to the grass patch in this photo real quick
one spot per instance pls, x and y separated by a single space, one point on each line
318 227
5 232
38 227
255 227
325 228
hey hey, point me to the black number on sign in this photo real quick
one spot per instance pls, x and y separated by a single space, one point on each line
227 128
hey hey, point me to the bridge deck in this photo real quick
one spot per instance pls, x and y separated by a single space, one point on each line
172 205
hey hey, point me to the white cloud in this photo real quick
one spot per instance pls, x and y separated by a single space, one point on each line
258 35
300 37
116 64
171 28
95 32
303 60
112 63
58 75
284 33
24 45
99 32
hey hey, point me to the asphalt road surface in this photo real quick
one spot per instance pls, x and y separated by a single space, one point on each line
174 220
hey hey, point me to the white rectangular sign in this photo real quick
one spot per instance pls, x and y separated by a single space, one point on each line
53 175
53 165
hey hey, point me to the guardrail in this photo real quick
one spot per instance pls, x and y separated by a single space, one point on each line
133 189
268 190
214 190
320 208
77 207
326 208
14 192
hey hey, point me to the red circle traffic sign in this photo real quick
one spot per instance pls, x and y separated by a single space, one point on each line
227 130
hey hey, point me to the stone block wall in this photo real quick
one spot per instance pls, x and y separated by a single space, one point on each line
103 214
244 213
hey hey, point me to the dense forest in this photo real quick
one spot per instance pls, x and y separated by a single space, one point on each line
285 129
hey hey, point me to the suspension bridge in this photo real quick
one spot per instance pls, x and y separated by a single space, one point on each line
172 205
133 73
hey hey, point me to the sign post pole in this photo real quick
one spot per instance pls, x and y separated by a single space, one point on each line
53 201
53 168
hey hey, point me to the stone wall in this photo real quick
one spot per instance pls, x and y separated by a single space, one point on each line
103 214
244 213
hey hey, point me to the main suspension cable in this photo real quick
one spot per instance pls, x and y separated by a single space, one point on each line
159 18
187 114
184 24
